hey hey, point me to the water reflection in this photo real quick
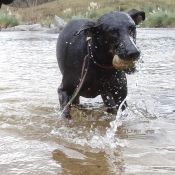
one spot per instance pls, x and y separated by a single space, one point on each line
34 140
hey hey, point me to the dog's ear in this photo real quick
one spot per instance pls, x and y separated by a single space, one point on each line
90 28
137 16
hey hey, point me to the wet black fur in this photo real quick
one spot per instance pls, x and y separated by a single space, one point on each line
113 33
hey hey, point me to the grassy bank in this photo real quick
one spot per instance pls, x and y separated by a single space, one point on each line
7 19
160 16
159 13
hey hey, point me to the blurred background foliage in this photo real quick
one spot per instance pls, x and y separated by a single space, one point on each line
159 13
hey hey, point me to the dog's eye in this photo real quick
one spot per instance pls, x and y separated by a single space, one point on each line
132 28
113 32
132 32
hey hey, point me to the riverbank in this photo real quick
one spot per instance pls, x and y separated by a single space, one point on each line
56 26
158 13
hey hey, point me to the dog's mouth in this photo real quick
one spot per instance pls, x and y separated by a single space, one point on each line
121 64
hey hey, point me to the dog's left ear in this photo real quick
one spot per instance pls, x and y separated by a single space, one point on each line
137 16
90 28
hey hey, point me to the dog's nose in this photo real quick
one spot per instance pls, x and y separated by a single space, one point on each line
133 54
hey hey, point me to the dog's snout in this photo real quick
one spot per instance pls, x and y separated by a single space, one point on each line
133 55
129 50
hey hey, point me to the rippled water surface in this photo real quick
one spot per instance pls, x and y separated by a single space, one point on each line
33 138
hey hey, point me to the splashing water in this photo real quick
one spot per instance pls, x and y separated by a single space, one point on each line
110 133
92 136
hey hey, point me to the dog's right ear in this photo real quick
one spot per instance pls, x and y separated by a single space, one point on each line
90 28
137 16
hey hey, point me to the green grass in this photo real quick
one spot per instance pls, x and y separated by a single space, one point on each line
7 20
160 17
164 17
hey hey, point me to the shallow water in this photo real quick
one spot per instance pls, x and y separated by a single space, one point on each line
33 138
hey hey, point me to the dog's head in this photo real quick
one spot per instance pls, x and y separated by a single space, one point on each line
115 33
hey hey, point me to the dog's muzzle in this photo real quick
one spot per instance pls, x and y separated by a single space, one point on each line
121 64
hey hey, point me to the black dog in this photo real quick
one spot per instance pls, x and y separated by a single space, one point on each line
95 55
5 2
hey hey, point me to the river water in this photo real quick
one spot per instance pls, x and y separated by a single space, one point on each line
33 138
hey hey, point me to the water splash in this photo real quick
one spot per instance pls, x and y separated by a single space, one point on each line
109 140
110 133
92 134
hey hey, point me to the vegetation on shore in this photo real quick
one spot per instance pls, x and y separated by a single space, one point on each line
159 13
8 20
160 17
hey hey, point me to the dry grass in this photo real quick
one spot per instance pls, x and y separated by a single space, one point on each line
79 8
